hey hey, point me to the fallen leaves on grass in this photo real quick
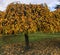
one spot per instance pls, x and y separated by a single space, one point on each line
44 47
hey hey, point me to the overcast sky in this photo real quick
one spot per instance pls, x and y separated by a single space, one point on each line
50 3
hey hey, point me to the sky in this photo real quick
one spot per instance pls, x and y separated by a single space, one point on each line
50 3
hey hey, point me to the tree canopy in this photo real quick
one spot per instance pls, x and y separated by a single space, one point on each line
29 18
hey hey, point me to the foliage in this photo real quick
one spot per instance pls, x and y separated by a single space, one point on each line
29 18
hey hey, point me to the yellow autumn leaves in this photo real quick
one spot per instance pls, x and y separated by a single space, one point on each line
22 17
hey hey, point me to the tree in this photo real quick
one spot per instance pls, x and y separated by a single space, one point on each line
57 7
17 20
24 18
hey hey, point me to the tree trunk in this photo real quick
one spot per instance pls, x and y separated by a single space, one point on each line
26 41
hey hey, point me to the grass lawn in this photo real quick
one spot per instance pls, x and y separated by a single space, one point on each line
32 37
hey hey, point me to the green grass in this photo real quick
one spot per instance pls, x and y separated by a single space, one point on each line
32 37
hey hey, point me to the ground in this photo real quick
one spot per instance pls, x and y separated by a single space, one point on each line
40 44
43 47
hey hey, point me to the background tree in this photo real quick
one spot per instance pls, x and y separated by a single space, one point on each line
58 5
